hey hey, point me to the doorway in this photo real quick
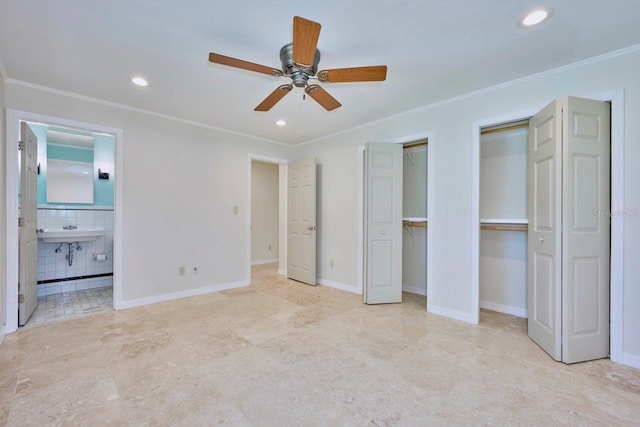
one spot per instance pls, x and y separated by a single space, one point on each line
516 225
267 214
93 259
416 214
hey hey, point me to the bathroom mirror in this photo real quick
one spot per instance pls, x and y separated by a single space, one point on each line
69 166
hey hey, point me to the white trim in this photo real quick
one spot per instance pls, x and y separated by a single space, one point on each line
13 117
361 242
137 110
266 159
264 261
282 271
629 360
414 290
452 314
341 286
182 294
430 196
616 311
507 309
482 91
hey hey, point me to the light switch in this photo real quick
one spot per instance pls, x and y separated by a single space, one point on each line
236 209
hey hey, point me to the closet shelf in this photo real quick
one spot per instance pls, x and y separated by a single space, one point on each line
504 226
503 221
420 224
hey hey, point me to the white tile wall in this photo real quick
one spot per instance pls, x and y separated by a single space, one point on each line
52 265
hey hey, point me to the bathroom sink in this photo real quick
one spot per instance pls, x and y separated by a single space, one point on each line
70 236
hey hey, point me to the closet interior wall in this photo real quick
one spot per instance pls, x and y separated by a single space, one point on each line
414 212
503 219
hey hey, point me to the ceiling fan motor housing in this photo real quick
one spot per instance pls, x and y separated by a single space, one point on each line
299 73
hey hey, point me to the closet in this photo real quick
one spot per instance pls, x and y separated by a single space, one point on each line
414 221
545 225
503 218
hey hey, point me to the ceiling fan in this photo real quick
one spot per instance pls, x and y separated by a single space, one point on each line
300 63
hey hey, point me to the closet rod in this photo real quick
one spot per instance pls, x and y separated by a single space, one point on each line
504 129
415 144
505 227
421 224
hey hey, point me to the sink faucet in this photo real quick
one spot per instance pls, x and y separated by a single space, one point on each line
69 227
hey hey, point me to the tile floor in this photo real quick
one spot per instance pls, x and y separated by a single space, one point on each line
68 305
281 353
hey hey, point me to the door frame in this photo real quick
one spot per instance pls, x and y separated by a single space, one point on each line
282 209
616 97
14 117
429 136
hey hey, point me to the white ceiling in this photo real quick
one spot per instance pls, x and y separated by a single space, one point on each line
434 49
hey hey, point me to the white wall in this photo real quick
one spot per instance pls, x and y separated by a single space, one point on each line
264 212
181 182
451 125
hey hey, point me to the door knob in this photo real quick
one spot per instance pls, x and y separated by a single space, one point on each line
541 239
312 227
383 232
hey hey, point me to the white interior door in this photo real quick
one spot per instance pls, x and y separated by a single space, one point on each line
544 272
586 219
383 223
27 281
302 227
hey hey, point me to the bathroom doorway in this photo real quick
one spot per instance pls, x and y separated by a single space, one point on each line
78 222
267 214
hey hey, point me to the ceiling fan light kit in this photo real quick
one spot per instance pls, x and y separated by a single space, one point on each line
300 61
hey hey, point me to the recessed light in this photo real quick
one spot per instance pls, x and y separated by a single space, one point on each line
139 81
281 122
535 17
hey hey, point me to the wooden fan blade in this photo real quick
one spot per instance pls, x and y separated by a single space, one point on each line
376 73
322 97
273 98
305 40
245 65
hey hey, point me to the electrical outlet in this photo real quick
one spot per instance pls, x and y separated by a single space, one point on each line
331 263
181 271
236 210
194 270
269 247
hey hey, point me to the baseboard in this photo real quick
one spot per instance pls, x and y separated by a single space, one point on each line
182 294
631 360
341 286
452 314
414 290
265 261
2 334
282 272
514 311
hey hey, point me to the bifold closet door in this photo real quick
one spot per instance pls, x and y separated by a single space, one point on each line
383 223
569 238
544 267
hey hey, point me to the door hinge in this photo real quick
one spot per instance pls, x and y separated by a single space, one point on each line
20 222
20 145
21 299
